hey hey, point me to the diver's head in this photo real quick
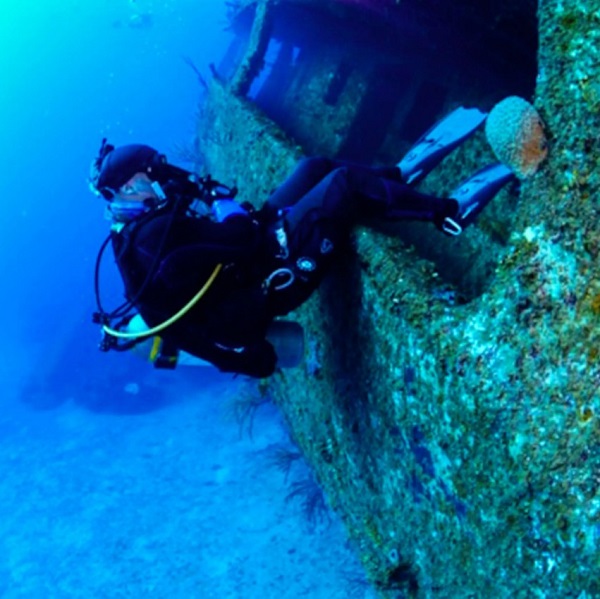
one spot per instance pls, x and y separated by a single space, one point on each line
128 177
127 172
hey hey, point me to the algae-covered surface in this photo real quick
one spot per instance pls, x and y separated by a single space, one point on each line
458 435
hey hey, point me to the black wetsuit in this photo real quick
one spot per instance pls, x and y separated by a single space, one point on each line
272 261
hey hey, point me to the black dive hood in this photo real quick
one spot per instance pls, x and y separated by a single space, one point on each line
113 167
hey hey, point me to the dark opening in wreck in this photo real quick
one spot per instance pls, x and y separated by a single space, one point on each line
353 78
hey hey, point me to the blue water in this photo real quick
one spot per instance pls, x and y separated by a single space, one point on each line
118 481
73 72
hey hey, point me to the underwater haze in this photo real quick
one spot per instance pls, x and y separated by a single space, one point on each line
119 481
74 72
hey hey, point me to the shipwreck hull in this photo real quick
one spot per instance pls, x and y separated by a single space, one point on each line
452 416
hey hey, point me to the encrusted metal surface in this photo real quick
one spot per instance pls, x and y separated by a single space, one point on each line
460 441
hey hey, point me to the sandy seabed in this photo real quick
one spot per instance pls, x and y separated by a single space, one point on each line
172 503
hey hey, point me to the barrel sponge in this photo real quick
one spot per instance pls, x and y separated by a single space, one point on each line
515 132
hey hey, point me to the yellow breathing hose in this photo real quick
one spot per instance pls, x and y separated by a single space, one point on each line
174 318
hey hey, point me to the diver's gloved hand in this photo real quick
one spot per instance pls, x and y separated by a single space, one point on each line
257 360
249 208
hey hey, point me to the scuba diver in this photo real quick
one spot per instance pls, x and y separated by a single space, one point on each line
210 277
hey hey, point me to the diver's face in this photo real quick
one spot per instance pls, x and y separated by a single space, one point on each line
137 189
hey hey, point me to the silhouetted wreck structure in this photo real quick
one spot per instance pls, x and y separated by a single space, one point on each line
449 401
351 78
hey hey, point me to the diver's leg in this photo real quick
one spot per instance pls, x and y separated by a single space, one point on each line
311 171
318 225
308 172
352 192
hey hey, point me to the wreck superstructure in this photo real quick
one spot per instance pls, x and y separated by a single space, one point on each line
449 397
370 73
